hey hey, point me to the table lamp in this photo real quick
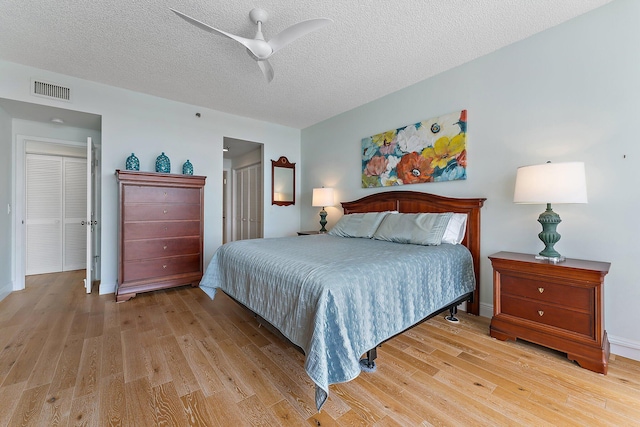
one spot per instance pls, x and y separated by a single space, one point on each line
322 197
546 184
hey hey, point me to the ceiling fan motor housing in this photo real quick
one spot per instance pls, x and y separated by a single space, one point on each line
258 15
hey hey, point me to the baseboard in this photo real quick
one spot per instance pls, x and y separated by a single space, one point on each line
486 310
625 347
5 290
107 288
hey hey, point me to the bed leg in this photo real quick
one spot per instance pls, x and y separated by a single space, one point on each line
368 363
453 310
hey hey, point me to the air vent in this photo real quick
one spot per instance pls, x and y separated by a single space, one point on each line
50 90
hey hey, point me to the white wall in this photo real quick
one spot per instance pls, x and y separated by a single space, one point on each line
6 284
567 94
248 159
147 125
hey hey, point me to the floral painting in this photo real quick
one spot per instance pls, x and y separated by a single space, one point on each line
429 151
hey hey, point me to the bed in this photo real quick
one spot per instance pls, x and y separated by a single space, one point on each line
337 298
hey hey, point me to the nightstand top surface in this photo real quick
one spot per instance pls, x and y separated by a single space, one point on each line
568 263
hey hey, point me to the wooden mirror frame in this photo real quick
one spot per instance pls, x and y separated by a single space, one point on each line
283 162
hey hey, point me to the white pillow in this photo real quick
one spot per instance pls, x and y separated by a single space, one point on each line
456 228
418 229
358 225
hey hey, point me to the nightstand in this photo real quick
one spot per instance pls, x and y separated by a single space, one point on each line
560 306
308 233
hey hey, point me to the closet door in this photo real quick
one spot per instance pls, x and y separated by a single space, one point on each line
247 186
43 214
75 210
255 202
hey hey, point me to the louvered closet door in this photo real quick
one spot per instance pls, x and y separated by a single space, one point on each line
255 202
43 214
247 184
75 209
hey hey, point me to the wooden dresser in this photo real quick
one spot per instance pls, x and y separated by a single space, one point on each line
161 228
560 306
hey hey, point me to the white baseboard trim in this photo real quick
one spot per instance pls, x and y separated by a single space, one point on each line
486 310
5 290
625 347
107 288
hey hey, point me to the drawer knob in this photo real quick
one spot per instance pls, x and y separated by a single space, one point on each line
541 290
541 312
165 211
165 194
164 266
164 247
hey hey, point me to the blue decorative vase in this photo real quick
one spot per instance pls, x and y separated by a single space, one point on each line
132 163
187 168
163 164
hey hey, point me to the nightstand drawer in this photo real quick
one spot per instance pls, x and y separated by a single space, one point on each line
564 295
548 315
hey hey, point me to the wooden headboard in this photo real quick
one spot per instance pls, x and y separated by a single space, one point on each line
415 202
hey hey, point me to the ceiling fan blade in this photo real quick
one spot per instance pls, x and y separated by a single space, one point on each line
296 31
267 70
250 44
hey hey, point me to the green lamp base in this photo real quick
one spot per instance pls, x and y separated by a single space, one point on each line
323 220
549 236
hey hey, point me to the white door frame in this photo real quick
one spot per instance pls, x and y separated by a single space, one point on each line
89 221
227 235
19 203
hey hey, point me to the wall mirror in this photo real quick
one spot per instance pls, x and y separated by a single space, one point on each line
283 182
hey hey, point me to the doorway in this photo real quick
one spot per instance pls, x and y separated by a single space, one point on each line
243 190
58 131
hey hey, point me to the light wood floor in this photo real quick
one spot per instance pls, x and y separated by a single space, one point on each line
177 358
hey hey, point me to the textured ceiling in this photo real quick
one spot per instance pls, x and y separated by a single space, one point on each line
371 49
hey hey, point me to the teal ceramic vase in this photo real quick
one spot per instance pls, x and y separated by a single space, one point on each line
132 163
163 164
187 168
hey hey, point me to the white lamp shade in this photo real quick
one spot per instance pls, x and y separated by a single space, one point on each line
322 197
551 183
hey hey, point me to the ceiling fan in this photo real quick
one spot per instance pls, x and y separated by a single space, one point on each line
260 49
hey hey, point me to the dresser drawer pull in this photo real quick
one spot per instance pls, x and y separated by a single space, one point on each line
164 247
541 290
164 266
165 211
165 194
540 312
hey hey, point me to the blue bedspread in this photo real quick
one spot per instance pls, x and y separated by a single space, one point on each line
337 297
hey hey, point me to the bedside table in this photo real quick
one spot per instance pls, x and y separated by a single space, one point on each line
308 233
560 306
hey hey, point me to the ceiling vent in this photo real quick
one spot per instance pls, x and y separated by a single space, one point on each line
50 90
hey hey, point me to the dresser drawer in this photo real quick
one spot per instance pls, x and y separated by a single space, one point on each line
157 229
150 194
160 267
156 248
577 297
161 212
547 314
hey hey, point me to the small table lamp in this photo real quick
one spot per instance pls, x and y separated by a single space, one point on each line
551 183
322 197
